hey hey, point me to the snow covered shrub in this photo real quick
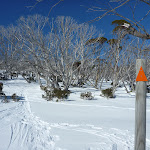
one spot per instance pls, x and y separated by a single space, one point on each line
107 93
15 97
86 95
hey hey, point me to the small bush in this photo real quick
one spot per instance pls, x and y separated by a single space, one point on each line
86 95
61 94
108 93
56 93
57 100
15 97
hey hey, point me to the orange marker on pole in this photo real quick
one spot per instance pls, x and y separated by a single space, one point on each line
141 75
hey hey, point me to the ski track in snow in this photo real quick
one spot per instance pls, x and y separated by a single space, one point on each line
122 138
28 132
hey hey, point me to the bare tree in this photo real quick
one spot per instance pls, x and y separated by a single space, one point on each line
9 51
52 56
69 47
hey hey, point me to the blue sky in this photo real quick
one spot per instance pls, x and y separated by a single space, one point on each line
11 10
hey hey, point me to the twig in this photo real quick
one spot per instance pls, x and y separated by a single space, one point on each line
50 12
109 11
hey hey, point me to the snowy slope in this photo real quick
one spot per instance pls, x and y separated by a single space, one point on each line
19 128
75 124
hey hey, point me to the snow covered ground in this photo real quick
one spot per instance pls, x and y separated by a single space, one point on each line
76 124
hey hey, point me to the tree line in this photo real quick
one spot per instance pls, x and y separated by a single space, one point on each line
62 50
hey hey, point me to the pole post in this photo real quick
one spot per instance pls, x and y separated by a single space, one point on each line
140 109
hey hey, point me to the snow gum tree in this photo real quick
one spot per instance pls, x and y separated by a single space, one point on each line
33 43
50 49
9 48
68 47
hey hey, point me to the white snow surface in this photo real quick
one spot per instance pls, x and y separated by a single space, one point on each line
74 124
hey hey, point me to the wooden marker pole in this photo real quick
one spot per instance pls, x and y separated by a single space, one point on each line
140 105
